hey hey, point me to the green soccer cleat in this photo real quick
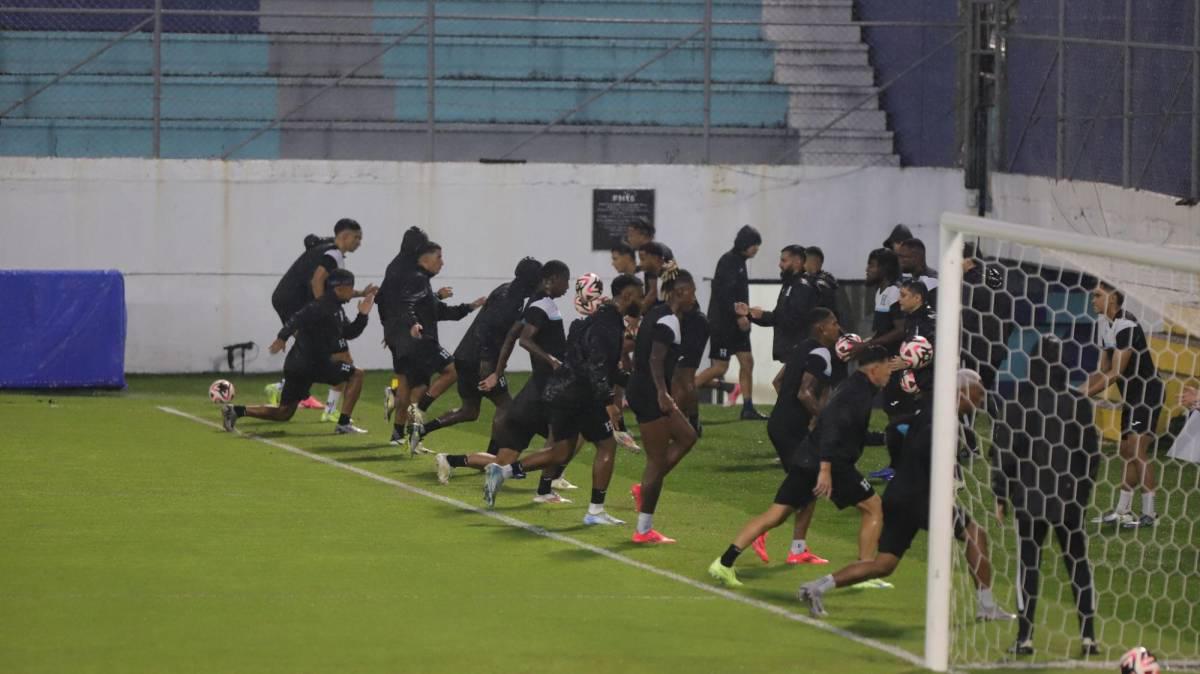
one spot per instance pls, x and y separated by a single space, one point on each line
723 574
330 417
274 393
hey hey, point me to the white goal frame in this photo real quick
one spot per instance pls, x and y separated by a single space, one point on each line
954 227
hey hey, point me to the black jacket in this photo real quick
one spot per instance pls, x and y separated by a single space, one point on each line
730 284
826 286
841 426
321 330
410 300
796 299
295 288
592 360
485 336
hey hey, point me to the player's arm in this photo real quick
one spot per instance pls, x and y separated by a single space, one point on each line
528 333
356 327
510 341
317 282
651 296
311 313
457 312
807 395
1109 371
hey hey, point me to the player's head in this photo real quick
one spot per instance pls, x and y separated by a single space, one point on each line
873 363
429 257
970 391
414 238
683 291
912 296
1107 300
882 266
825 327
791 260
623 260
747 241
652 256
527 274
626 293
556 278
639 232
814 259
900 234
347 235
340 282
912 256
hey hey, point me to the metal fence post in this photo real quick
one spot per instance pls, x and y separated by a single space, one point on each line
1195 193
708 7
430 80
1060 123
1127 101
156 132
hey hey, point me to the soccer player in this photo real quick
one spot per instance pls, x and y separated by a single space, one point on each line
912 264
418 309
1125 360
654 259
797 297
823 467
578 394
304 281
320 354
987 315
639 233
666 434
693 325
803 391
887 321
478 351
825 283
624 260
1047 458
729 333
906 511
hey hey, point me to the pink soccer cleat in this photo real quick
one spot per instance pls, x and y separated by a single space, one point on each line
760 548
312 403
806 557
651 536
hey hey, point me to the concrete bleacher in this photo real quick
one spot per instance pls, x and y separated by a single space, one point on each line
514 66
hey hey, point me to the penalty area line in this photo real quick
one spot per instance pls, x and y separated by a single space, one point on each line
894 651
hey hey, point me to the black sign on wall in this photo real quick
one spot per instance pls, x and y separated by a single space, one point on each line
614 210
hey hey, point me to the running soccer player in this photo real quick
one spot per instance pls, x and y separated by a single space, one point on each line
320 354
826 284
478 351
1125 360
413 329
797 297
666 434
823 467
906 511
729 333
803 391
912 264
304 281
578 394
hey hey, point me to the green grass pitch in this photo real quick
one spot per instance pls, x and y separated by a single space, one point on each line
139 541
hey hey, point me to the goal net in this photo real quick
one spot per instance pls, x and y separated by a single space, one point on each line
1085 346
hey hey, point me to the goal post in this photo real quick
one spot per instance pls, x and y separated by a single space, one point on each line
1164 284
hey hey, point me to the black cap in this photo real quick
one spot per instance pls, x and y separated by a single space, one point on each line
339 277
899 233
528 272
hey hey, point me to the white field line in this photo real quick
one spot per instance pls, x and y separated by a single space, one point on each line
894 651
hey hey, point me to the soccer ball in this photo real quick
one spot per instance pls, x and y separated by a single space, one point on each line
1139 661
908 382
917 352
845 344
221 392
589 294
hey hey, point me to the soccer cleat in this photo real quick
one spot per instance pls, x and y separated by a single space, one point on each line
561 483
348 429
1143 522
311 403
723 574
1022 647
873 584
398 438
389 403
415 433
806 557
760 548
1090 647
443 469
990 613
274 393
885 474
733 395
1114 518
552 497
626 440
809 594
651 536
493 479
636 492
602 518
329 416
752 415
228 418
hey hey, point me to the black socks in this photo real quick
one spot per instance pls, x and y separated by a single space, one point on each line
730 556
426 402
344 420
239 411
457 460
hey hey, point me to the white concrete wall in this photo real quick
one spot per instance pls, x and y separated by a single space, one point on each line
202 243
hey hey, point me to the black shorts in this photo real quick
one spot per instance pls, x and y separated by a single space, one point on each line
903 518
468 382
694 327
297 384
589 419
723 346
1140 416
786 445
642 396
849 487
421 361
526 417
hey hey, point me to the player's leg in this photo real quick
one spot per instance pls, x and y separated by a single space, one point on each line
556 454
352 389
656 441
1031 534
870 525
296 387
799 553
552 474
746 382
979 564
602 472
1073 541
795 493
719 357
1145 479
330 413
447 377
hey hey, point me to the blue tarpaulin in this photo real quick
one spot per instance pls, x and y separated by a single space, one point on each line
62 329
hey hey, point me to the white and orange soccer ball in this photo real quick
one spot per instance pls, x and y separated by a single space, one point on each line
916 352
589 294
221 392
846 344
908 382
1139 661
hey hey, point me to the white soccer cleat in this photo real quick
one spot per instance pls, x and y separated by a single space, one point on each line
348 429
990 613
810 595
601 519
626 440
552 497
561 483
389 403
443 469
1114 518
